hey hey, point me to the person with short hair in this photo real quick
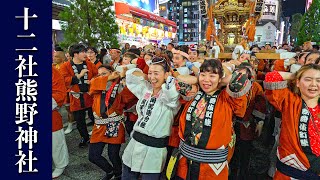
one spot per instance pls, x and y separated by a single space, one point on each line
182 64
315 48
312 57
255 49
77 74
115 57
58 58
170 46
267 46
286 46
108 99
92 53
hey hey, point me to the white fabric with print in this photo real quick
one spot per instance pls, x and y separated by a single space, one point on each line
156 123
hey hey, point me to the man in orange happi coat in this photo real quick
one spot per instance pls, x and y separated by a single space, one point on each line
60 154
77 74
58 59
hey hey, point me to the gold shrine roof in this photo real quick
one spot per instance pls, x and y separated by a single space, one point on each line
230 6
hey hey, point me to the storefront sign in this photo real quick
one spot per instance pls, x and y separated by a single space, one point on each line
270 11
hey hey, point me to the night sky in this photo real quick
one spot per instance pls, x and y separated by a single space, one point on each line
291 7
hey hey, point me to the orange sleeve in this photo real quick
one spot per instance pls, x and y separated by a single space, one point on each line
238 105
64 70
98 64
59 91
277 92
279 65
93 68
98 84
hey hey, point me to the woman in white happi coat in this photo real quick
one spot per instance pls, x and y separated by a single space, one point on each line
158 103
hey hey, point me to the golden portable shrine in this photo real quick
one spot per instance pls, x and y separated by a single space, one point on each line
237 19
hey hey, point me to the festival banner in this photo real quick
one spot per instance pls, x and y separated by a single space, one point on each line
26 92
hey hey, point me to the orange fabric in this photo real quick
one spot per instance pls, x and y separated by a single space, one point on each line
57 66
98 132
261 65
290 105
279 65
221 133
98 64
58 94
125 96
67 72
251 24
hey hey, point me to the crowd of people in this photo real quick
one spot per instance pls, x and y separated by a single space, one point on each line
188 115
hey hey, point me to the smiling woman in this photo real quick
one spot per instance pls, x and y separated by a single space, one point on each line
205 126
299 136
156 108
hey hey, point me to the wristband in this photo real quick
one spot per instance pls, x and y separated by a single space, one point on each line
189 65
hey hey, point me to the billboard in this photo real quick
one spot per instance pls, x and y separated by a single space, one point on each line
270 10
148 5
163 1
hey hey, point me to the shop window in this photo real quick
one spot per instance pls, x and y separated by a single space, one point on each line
259 38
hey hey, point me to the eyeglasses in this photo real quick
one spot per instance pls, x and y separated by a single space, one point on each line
90 52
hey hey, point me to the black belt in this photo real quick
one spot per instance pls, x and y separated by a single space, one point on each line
150 141
296 173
